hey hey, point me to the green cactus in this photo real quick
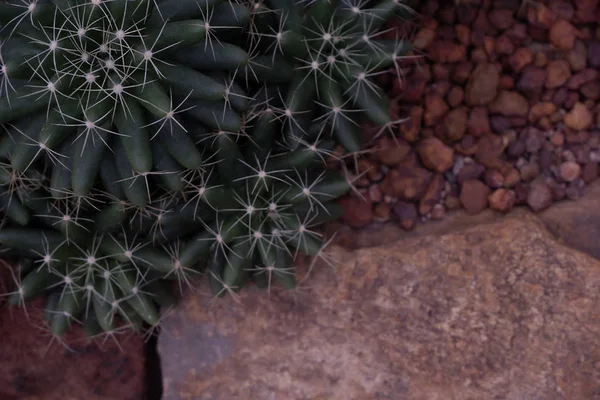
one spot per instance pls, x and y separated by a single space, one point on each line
148 141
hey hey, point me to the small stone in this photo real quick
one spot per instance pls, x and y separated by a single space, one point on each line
392 151
407 183
558 73
532 80
435 154
562 35
407 214
534 139
446 51
529 171
577 57
579 118
463 34
589 172
478 122
501 18
502 200
382 212
357 212
586 10
557 139
375 194
490 150
541 110
455 96
574 192
433 195
482 86
455 124
461 72
520 59
410 129
470 171
474 196
582 77
539 196
570 171
435 109
571 100
412 89
510 104
593 54
540 16
438 212
512 178
494 178
424 38
591 90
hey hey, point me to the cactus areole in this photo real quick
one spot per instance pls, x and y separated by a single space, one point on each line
147 142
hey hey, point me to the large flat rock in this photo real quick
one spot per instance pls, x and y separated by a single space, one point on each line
496 311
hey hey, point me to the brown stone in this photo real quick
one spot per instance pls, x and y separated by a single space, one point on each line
557 139
461 72
433 195
532 80
391 151
577 57
474 196
512 178
571 100
582 77
482 86
510 104
412 89
539 196
501 18
463 34
455 124
424 38
479 56
589 173
445 51
579 118
562 35
407 183
478 122
502 200
520 59
540 110
435 108
357 212
406 214
570 171
586 10
382 212
529 171
455 96
494 178
558 73
410 129
593 54
435 154
541 16
490 149
541 59
591 90
470 171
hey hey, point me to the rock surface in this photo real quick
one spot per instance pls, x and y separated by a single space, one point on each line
495 311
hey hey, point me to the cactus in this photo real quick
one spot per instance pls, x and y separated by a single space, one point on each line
146 142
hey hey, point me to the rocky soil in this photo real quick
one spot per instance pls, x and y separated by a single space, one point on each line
502 108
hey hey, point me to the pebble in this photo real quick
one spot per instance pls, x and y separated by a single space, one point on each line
382 212
474 196
482 86
407 214
570 171
435 154
357 212
502 200
579 118
539 196
438 212
510 104
562 35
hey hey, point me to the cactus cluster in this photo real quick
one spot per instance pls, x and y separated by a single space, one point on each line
145 142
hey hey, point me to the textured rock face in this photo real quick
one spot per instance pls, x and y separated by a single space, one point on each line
33 368
495 311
